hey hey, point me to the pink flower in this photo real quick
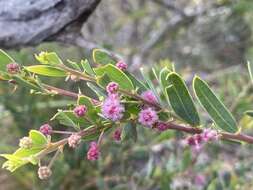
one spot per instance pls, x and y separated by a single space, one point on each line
80 110
194 141
117 135
200 180
148 117
112 109
74 140
209 135
93 152
12 68
121 65
46 129
112 88
162 126
149 96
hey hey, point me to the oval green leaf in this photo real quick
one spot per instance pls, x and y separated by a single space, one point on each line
46 70
38 138
4 60
102 57
115 75
181 100
215 108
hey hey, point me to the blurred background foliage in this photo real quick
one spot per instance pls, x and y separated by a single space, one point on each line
213 40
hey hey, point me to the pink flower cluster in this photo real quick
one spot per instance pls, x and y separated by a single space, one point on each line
93 152
46 129
149 96
162 126
12 68
148 117
121 65
74 140
80 110
117 135
112 108
198 140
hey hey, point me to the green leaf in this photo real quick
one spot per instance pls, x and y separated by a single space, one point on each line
102 57
249 113
66 118
87 68
129 132
215 108
137 83
250 69
38 139
50 58
181 100
99 91
14 162
163 77
150 84
5 59
26 83
115 75
46 70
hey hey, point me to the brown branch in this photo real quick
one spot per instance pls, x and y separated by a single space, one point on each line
224 135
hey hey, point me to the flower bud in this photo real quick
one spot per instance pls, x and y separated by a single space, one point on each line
117 135
161 126
80 110
112 88
149 96
12 68
121 65
25 142
93 152
46 129
74 140
44 172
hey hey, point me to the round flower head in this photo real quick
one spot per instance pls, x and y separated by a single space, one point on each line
80 110
149 96
112 88
121 65
148 117
209 135
12 68
162 126
93 152
44 172
112 109
46 129
117 135
25 142
74 140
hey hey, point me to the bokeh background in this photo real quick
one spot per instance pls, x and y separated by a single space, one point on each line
211 38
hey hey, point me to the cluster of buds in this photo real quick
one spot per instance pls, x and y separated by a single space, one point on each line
198 140
111 108
80 110
44 172
93 152
12 68
117 135
74 140
26 142
121 65
46 129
